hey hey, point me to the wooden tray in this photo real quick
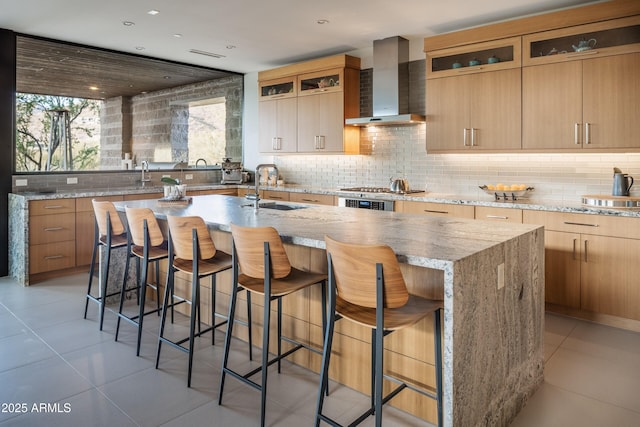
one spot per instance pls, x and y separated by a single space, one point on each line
175 202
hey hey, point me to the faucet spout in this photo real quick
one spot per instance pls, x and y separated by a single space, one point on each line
144 165
257 179
201 160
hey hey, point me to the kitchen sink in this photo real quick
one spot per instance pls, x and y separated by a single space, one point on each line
276 206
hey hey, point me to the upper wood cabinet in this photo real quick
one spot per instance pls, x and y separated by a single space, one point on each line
586 99
474 112
475 58
278 115
309 118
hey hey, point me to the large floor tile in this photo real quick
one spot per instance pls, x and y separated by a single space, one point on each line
613 344
47 381
90 408
595 377
22 349
556 330
551 406
11 325
152 397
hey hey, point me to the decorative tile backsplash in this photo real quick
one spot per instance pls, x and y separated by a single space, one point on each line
400 152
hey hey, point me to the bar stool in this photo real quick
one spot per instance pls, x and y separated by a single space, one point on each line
366 286
109 232
259 254
196 255
147 244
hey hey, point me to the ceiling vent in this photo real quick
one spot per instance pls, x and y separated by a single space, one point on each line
204 52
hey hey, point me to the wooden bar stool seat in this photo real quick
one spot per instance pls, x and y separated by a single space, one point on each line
192 251
261 265
147 244
366 286
109 233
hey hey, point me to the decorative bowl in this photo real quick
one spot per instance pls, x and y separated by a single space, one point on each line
506 193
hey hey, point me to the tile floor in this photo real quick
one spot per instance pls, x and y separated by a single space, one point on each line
50 355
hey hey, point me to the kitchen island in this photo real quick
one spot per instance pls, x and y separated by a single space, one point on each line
490 277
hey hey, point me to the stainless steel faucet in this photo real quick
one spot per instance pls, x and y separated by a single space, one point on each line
144 165
256 196
201 160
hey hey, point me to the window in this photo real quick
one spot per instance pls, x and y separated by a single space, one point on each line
207 132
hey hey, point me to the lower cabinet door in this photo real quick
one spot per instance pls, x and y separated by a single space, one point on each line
610 276
562 272
52 256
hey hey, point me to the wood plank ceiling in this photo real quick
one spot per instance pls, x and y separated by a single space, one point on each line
49 67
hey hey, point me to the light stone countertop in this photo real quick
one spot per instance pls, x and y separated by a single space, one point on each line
449 239
551 206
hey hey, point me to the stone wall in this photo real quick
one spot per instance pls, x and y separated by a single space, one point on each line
154 127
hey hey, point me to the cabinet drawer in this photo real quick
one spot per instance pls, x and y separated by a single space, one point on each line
600 225
52 228
51 207
226 192
145 196
439 209
83 204
486 213
51 256
275 195
317 199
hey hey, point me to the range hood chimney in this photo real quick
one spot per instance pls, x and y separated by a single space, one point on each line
390 85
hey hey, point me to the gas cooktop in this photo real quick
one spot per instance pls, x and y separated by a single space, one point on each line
378 190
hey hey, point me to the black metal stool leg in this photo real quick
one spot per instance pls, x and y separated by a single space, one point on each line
143 296
249 325
227 340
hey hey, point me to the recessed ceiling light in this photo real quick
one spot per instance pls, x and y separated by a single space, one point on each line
230 46
128 23
139 47
177 35
93 87
166 77
153 12
322 21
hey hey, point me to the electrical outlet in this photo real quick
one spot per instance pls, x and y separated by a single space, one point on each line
72 180
188 176
166 176
501 276
21 183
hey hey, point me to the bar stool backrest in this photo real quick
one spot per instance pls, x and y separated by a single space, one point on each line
135 219
249 243
181 229
354 269
101 209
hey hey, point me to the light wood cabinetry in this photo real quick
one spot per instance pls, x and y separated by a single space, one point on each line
474 112
278 116
474 107
312 198
592 262
487 213
303 107
585 99
51 235
224 191
275 195
436 209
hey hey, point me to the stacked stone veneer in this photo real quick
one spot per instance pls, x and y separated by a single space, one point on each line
154 126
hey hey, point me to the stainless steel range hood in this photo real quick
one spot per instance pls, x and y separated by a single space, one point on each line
390 85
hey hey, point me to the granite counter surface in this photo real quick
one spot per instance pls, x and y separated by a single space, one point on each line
531 204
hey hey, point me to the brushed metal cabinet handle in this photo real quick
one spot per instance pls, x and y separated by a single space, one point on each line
576 134
587 133
586 250
54 257
54 207
473 137
581 224
464 136
440 212
310 200
574 248
497 217
54 229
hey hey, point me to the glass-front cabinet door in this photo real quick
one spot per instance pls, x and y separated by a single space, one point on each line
320 82
582 42
277 88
